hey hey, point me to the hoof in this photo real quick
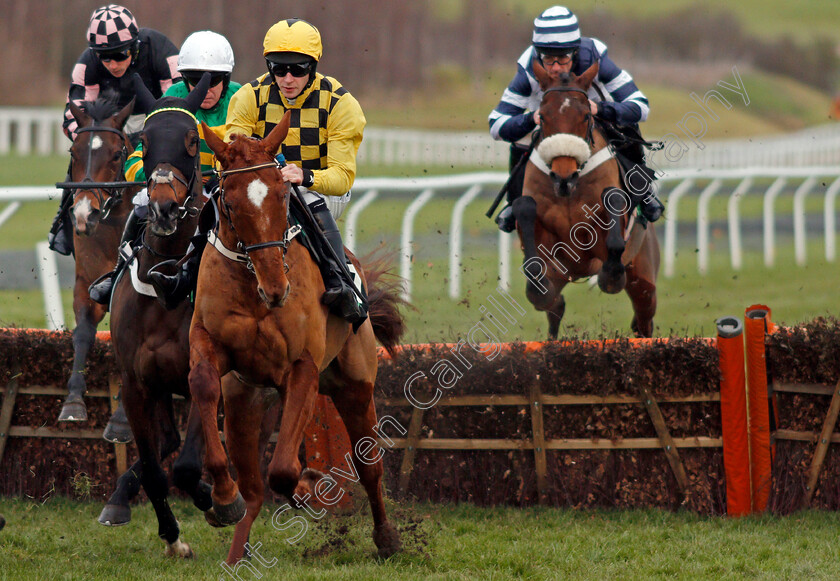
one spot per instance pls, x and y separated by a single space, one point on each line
73 410
387 540
179 549
2 522
230 514
306 484
118 432
612 282
212 519
114 515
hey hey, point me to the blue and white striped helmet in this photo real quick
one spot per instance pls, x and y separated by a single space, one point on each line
556 31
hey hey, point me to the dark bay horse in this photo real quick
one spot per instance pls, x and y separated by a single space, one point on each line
151 343
98 214
574 220
273 332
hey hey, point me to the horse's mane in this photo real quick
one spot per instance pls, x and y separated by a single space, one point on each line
102 108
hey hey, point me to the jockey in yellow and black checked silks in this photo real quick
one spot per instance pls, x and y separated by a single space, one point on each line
325 130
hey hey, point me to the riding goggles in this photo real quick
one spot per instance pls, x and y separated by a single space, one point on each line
192 78
118 56
282 69
563 58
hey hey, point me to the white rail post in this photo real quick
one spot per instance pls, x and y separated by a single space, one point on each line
769 221
799 220
828 214
408 237
8 212
703 225
505 244
734 216
456 240
49 284
353 219
671 224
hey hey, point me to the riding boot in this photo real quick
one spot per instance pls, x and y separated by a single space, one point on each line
506 220
60 237
339 296
652 207
100 289
173 289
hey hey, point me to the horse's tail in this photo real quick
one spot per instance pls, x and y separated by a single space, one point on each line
384 289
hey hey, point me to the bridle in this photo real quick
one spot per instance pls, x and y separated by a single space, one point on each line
99 188
590 120
244 257
563 186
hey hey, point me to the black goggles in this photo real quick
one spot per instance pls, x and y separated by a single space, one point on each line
118 56
192 78
282 69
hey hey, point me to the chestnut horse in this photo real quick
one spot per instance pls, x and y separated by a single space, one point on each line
101 204
273 332
573 217
151 343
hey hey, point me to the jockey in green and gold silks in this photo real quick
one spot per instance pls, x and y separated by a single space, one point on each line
213 117
203 52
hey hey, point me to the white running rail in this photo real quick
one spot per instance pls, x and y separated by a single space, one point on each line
464 189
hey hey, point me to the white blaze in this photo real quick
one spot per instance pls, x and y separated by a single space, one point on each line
96 142
82 211
257 191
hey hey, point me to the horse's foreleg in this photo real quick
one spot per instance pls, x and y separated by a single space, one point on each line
205 389
145 414
642 294
555 315
186 472
84 335
117 511
354 401
284 471
243 417
539 289
612 277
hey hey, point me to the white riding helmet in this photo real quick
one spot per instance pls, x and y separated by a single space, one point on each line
206 51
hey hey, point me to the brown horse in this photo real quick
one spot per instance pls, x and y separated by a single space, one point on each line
151 343
273 331
99 211
573 216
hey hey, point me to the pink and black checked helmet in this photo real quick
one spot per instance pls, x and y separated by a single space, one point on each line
112 27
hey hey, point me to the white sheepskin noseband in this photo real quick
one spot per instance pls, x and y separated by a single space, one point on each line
564 145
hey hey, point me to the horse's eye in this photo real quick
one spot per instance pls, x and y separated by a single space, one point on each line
117 156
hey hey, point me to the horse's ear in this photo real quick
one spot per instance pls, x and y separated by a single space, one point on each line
121 117
145 99
541 74
82 118
212 140
586 78
272 143
198 93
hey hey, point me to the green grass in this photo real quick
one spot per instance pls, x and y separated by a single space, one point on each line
60 539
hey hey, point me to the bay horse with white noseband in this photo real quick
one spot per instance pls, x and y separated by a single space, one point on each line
99 211
151 343
258 313
573 217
